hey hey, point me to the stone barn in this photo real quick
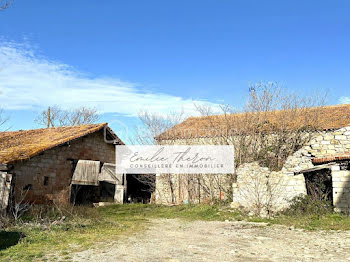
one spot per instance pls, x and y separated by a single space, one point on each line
47 165
324 159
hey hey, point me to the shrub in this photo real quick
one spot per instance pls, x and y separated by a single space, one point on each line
306 205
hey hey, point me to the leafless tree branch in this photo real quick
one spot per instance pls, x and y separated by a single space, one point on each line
56 116
3 120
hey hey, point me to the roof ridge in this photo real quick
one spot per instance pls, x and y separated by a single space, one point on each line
313 107
331 117
52 128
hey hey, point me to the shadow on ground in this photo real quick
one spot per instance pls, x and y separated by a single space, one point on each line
9 239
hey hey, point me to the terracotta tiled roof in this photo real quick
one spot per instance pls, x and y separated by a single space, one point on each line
332 158
329 118
20 145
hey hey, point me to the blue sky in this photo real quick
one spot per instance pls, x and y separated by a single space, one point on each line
124 56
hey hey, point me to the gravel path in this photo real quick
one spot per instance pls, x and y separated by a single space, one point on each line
176 240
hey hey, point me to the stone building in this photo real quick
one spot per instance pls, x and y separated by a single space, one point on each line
41 162
325 158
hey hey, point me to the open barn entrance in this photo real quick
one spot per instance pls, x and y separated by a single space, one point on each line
84 194
87 194
319 184
140 188
107 191
94 182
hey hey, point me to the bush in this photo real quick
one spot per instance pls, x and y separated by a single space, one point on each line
306 205
51 214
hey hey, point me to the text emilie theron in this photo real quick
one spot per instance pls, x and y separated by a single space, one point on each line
179 157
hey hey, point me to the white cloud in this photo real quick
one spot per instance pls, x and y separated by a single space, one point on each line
29 81
344 100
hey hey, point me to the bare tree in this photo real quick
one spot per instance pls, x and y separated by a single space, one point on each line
4 4
3 120
153 124
283 122
273 124
19 205
56 116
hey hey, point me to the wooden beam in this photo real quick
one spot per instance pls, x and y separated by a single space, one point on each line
316 168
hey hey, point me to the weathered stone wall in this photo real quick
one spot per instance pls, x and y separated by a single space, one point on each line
341 189
321 145
5 187
260 190
334 142
56 166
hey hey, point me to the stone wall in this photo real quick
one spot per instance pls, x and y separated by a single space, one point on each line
321 145
260 190
341 189
5 187
334 142
54 168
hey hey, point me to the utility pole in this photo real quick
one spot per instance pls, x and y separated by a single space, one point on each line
48 117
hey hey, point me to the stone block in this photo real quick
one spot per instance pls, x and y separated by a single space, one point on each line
319 138
335 142
335 168
339 184
340 137
328 137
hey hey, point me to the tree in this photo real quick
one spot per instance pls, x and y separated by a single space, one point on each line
273 124
153 124
56 116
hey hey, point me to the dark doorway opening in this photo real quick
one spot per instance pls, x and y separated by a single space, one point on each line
107 191
87 194
319 184
84 194
140 188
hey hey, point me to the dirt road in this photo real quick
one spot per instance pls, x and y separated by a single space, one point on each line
176 240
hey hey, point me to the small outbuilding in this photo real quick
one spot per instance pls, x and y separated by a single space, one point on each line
45 165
